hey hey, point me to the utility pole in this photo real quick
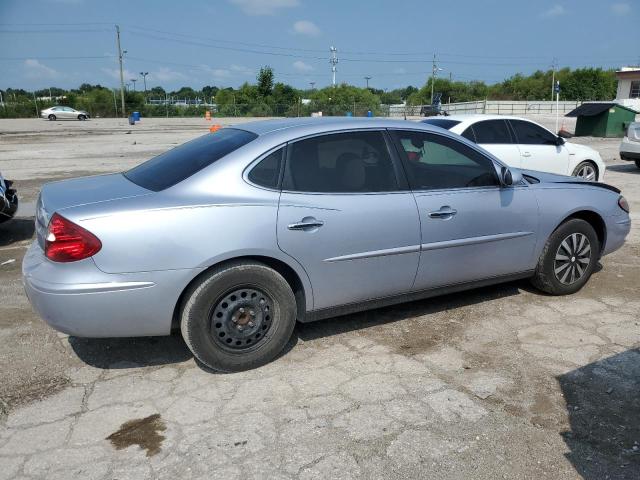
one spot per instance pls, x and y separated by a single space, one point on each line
115 103
120 54
434 71
333 61
144 79
134 80
367 80
554 65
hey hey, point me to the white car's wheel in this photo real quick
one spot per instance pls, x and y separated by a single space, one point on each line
586 170
52 117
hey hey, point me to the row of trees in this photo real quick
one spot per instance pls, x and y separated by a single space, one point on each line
269 98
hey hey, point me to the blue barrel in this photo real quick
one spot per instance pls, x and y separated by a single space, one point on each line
369 113
136 116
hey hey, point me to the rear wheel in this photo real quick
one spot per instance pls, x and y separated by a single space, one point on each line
239 316
52 117
568 259
586 170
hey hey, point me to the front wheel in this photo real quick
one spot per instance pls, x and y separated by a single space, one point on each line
52 117
637 163
568 259
586 170
82 117
239 316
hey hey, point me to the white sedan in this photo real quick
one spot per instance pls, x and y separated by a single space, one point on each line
521 143
60 113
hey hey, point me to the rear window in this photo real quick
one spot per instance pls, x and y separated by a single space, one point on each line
180 163
442 123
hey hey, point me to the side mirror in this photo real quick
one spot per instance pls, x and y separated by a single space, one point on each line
559 141
509 177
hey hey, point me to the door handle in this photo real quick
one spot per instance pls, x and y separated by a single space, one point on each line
306 224
444 213
526 154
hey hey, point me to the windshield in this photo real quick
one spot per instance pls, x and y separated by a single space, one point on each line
180 163
442 123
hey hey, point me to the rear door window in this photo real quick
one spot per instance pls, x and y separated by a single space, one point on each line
349 162
492 132
176 165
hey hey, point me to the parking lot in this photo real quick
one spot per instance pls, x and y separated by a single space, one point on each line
499 382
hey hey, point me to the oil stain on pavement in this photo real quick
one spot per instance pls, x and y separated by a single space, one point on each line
144 432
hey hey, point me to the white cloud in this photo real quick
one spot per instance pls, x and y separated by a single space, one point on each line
264 7
241 69
399 70
300 66
164 74
555 11
115 74
35 69
621 8
305 27
227 72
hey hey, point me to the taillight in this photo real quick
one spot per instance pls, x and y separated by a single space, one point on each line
623 204
68 242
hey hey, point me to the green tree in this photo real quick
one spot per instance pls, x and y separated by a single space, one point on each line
265 81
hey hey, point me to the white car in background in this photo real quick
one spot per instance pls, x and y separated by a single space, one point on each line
630 146
521 143
61 113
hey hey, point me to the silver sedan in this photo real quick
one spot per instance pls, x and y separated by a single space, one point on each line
63 113
235 236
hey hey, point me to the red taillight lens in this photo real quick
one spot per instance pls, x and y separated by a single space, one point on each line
68 242
623 204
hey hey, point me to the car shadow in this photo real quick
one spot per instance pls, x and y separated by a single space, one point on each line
16 230
123 353
625 168
603 406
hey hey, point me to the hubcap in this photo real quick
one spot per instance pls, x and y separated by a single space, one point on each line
572 258
241 318
588 172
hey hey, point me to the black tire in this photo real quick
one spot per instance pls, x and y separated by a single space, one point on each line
637 162
545 277
260 338
82 117
52 117
586 164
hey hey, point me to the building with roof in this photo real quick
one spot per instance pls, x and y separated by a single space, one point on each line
628 87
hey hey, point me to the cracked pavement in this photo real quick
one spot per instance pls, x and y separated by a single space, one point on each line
499 382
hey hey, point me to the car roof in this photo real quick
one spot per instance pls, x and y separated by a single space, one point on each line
309 125
476 117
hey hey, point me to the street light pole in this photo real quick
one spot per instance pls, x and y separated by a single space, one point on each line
367 80
120 54
134 80
144 79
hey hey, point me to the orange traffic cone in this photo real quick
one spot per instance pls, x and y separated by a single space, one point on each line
214 128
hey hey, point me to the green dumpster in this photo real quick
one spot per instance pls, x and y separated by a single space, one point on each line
602 119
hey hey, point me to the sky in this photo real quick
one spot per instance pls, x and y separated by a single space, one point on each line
64 43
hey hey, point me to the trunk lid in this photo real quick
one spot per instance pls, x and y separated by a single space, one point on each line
58 196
